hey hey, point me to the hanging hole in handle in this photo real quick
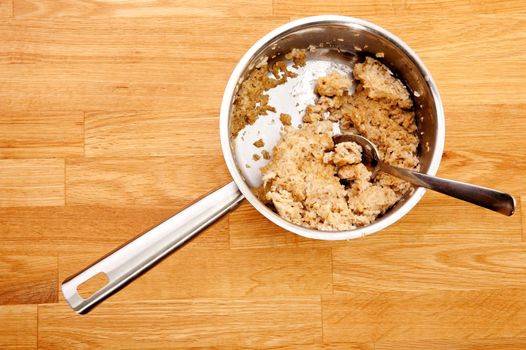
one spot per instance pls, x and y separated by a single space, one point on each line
93 285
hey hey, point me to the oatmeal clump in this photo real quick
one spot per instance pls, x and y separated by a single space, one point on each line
315 184
300 181
251 100
297 56
333 84
379 83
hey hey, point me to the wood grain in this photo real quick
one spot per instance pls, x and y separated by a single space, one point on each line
110 86
305 8
89 229
182 324
334 346
194 273
104 65
122 134
486 167
31 182
429 221
28 279
147 41
6 8
447 315
395 8
458 87
429 267
427 8
19 327
161 181
488 134
476 344
139 8
41 134
462 37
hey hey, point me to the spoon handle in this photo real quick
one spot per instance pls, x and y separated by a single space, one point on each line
500 202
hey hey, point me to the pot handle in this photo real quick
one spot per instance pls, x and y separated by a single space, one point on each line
137 256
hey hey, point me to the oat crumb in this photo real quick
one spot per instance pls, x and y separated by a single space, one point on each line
256 157
297 56
285 118
259 143
265 154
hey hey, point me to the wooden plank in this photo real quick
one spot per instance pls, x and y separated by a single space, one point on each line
159 41
486 151
428 267
163 181
462 38
457 86
138 8
193 273
396 8
516 343
486 167
269 322
31 182
140 86
6 8
19 327
334 346
442 219
28 279
305 8
460 133
121 134
447 315
89 229
41 134
429 221
426 8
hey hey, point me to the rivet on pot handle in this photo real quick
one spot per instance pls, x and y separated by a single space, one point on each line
129 261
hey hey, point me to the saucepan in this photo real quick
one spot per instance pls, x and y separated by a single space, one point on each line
339 41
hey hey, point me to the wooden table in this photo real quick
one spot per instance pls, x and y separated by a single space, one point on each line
108 109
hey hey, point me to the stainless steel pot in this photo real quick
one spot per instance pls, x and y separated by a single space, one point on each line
341 39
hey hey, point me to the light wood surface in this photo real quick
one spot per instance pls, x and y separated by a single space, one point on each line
108 111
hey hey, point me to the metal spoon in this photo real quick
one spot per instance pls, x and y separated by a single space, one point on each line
485 197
